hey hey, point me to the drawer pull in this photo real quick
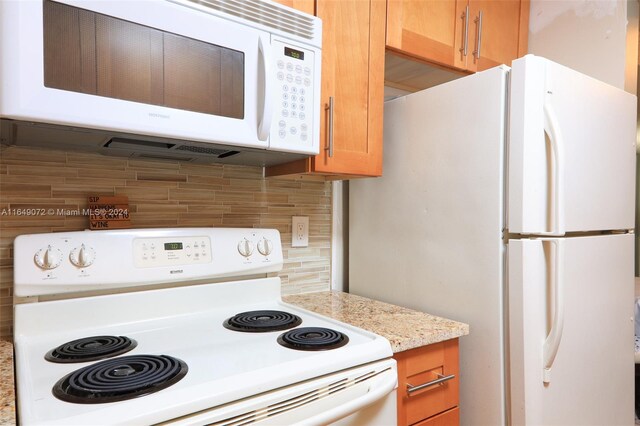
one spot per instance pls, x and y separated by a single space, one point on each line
440 380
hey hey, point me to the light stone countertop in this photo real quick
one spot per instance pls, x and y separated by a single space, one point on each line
404 328
7 397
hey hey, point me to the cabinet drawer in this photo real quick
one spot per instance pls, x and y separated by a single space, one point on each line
448 418
423 365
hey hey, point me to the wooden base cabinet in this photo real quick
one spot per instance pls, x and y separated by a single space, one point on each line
428 385
448 418
352 92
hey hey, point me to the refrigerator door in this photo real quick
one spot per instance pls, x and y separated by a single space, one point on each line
572 142
571 330
428 234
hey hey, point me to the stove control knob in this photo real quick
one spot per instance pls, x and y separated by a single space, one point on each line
82 256
245 248
48 258
265 247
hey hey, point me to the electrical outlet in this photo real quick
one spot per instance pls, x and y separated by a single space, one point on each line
299 231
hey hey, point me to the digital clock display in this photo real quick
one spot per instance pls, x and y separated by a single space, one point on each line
292 53
173 246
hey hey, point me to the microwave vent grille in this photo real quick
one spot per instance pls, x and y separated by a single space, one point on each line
203 150
271 15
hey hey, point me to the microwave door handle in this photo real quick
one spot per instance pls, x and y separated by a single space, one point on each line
264 126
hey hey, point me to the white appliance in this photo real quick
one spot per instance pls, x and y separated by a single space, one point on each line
183 355
507 202
200 80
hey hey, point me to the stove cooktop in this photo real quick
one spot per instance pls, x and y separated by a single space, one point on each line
186 324
127 377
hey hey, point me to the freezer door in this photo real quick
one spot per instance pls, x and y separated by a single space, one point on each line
571 330
572 142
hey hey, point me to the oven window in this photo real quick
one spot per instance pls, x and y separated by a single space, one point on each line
91 53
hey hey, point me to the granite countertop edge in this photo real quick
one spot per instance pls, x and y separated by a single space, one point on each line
404 328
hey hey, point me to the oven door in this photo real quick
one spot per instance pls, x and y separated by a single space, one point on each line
362 395
164 69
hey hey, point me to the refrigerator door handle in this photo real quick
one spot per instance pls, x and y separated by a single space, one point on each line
552 342
552 129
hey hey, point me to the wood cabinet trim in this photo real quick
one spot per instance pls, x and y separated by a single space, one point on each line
426 48
448 418
523 32
377 32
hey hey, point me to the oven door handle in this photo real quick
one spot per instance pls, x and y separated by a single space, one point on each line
264 126
381 385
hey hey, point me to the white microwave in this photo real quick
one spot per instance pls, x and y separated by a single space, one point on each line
180 76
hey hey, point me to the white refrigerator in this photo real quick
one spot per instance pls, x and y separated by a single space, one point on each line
507 202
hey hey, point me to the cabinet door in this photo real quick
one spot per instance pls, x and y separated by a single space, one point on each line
421 366
439 30
448 418
353 75
424 29
495 37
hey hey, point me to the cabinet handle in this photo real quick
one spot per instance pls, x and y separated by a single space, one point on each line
329 107
440 380
465 37
478 22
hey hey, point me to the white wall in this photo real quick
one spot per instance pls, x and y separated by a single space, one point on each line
587 35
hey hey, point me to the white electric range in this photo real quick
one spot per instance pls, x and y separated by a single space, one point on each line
226 353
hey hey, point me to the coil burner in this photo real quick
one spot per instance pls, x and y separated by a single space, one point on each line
313 339
262 321
119 379
91 349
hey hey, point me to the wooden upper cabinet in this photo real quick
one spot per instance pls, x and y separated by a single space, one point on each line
353 80
470 35
501 35
353 75
306 6
425 29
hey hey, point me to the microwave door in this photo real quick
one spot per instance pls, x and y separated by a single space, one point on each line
175 73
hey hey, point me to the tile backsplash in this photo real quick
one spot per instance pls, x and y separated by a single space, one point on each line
161 194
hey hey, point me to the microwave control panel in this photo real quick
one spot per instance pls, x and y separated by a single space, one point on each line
294 94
